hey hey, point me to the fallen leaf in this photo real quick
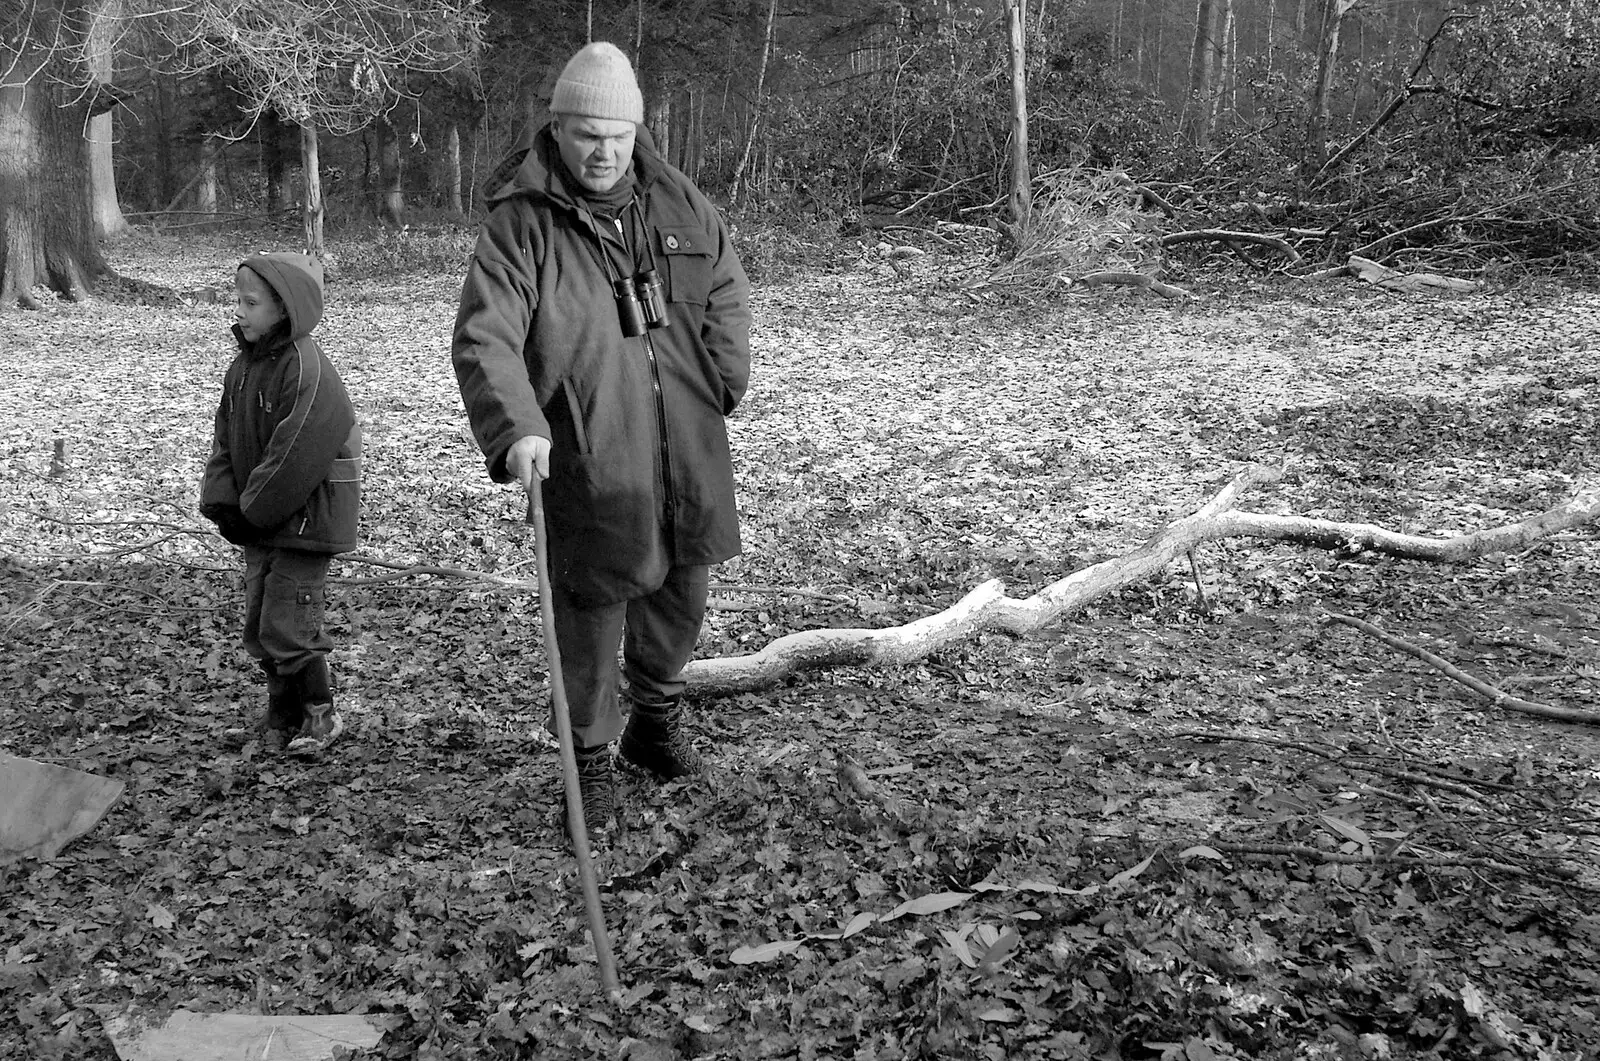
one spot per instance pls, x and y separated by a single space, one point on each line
927 904
766 952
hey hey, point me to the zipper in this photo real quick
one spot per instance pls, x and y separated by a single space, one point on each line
664 454
669 503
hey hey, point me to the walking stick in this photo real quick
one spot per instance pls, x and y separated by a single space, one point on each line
569 758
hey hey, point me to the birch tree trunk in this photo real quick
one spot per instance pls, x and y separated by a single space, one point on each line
1316 149
755 118
1199 108
312 208
100 53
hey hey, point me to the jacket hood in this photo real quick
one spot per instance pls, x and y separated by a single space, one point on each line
533 170
297 281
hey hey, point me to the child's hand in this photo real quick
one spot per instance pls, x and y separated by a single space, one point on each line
232 524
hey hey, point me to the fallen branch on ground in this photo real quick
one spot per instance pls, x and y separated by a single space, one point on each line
1340 858
1341 756
1497 697
1112 276
1221 235
1393 279
987 607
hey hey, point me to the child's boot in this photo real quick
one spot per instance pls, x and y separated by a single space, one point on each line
281 720
322 724
284 715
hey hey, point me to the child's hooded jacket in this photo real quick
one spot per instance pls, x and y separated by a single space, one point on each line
287 447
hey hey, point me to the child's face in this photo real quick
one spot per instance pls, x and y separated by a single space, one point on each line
255 307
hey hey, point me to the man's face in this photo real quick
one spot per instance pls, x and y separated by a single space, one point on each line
255 308
596 150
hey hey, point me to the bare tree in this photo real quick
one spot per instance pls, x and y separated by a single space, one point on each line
100 51
328 64
755 116
1333 13
47 100
335 65
1204 61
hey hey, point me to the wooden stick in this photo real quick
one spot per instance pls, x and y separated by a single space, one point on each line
569 758
1498 697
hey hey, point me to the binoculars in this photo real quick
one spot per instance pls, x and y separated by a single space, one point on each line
640 305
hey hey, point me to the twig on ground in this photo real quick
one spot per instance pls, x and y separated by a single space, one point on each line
1340 858
177 528
1498 697
1522 646
780 591
141 547
1339 755
403 570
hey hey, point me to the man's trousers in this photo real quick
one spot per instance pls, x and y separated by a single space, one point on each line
657 633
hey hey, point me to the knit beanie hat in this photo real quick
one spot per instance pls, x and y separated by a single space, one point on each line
598 82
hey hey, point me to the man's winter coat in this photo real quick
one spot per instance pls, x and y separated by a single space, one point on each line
287 447
640 473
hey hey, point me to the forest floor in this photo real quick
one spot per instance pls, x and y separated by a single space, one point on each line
1176 824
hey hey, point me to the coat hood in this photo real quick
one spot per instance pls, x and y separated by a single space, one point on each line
297 281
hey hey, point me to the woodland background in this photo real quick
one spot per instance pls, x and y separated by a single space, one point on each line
1460 133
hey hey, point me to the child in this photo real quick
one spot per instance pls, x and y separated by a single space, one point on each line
284 482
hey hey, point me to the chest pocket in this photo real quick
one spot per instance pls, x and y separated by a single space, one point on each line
687 253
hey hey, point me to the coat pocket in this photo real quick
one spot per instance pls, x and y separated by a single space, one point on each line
344 498
687 252
566 408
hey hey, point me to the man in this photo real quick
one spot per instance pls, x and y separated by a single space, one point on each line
576 367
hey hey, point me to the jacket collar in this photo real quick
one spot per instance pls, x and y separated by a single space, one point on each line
532 171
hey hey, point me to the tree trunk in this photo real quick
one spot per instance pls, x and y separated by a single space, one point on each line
452 170
312 208
46 227
205 191
755 117
1021 180
1222 95
658 117
1199 108
1316 150
107 211
105 18
270 131
391 205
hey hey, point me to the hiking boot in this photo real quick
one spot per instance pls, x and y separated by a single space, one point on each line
597 788
657 741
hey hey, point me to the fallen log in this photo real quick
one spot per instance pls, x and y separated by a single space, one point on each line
988 608
1395 280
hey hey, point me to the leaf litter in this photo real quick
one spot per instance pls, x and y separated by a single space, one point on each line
1157 830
